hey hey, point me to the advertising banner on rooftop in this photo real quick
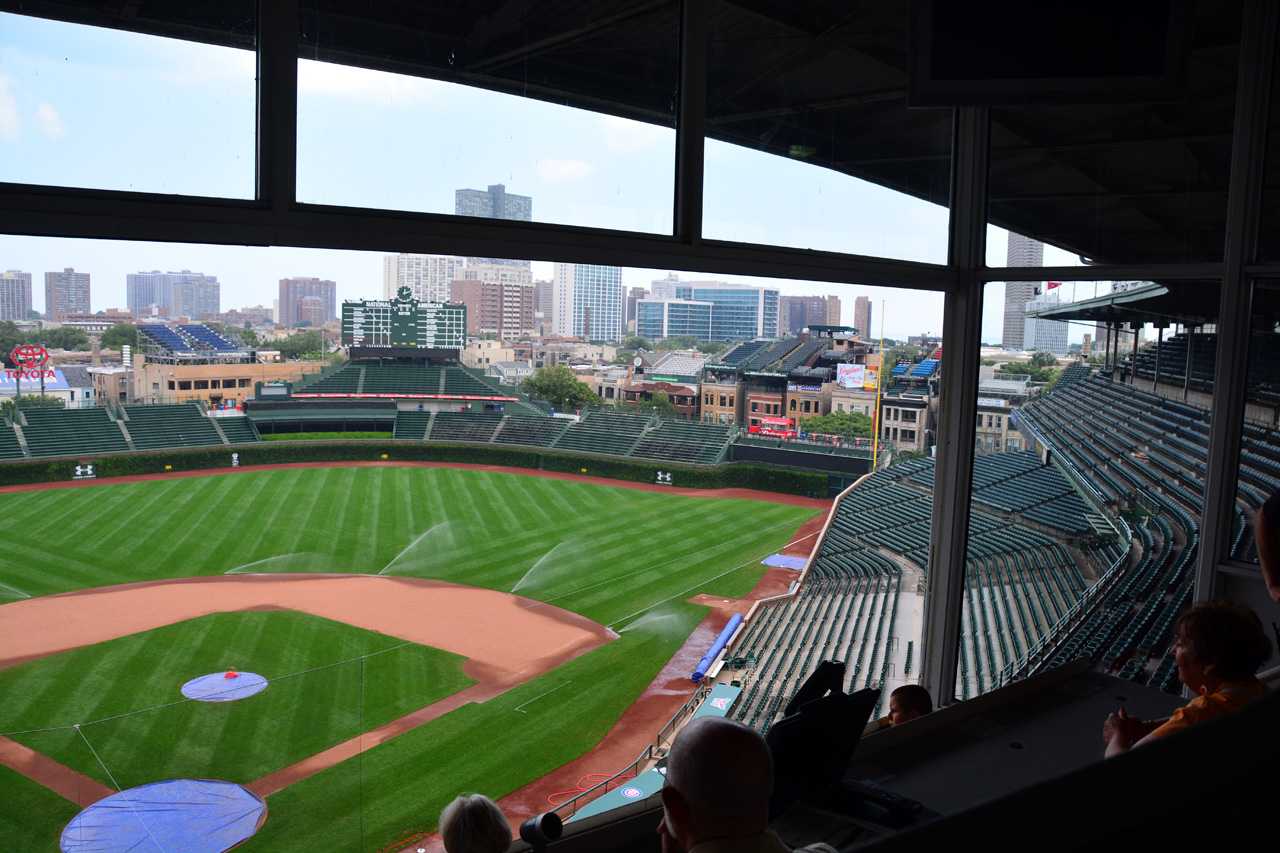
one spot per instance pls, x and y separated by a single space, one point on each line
850 375
28 381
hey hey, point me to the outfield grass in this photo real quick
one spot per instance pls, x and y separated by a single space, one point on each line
624 558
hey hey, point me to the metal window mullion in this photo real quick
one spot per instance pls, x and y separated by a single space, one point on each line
1248 159
277 118
691 121
953 477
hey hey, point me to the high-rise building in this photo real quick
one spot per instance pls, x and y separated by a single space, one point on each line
739 310
502 307
494 203
145 289
1022 252
862 317
664 288
294 290
196 297
1040 334
426 276
544 302
15 295
499 298
633 296
797 313
665 318
588 301
66 292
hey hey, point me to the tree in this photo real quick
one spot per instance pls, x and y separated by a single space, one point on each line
677 342
1043 358
65 338
246 336
560 387
712 347
853 424
902 352
635 342
308 346
661 403
120 335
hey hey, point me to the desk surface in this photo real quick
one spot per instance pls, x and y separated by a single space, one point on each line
959 757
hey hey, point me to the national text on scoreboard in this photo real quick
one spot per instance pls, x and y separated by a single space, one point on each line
404 323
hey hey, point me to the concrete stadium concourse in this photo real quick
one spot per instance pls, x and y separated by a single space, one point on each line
1177 193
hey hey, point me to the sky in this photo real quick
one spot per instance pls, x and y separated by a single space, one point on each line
82 106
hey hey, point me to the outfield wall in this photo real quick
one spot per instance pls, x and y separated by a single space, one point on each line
733 475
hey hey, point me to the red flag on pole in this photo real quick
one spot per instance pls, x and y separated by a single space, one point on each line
1051 285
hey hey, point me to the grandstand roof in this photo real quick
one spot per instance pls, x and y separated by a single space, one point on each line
1190 303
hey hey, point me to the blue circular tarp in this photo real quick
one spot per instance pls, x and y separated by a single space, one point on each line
218 688
188 815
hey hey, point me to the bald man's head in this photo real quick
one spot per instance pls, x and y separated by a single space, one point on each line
722 770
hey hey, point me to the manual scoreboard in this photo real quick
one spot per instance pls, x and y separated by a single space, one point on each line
404 322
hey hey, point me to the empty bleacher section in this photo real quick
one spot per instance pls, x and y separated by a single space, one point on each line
411 426
347 379
238 430
69 432
742 352
466 426
202 337
165 337
1021 584
530 431
1146 454
1264 364
186 339
685 441
603 433
845 610
155 427
10 447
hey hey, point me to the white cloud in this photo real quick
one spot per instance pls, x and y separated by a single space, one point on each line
9 122
625 136
377 87
51 126
564 171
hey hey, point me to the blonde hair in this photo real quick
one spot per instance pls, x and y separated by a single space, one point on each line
473 823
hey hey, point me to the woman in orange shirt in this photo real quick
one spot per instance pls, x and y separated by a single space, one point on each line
1220 646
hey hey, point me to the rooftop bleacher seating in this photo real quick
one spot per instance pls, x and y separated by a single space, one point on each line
202 337
165 337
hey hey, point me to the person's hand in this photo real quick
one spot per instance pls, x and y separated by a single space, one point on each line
1133 728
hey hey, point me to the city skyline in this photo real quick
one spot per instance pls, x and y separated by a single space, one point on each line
250 275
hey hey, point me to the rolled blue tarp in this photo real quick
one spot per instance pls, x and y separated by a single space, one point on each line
717 647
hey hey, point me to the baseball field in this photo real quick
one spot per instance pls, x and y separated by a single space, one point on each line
499 625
